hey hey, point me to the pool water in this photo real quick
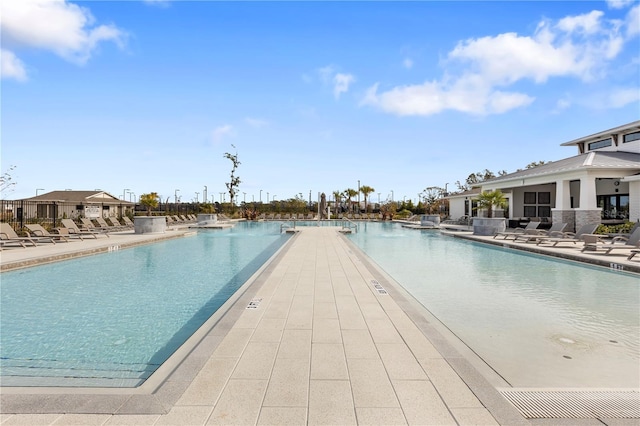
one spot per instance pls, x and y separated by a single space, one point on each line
110 320
535 320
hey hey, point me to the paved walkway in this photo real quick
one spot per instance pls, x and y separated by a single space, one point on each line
319 337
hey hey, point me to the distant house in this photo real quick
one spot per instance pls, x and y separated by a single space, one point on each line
72 204
600 184
463 204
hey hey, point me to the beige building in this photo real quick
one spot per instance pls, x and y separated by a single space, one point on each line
71 204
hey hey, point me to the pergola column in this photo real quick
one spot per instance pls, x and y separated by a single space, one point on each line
562 212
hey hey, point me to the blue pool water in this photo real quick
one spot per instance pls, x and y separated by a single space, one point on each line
537 321
112 319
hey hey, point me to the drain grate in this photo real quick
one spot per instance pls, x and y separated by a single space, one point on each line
254 303
576 404
378 287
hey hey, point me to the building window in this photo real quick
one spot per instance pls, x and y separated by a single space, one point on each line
631 137
600 144
614 207
544 198
530 211
544 211
529 197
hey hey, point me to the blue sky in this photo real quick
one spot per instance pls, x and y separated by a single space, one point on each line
315 96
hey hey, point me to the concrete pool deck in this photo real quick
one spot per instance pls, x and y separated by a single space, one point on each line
319 336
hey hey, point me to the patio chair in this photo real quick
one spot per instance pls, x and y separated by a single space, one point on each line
534 235
74 229
570 237
36 230
619 242
632 254
517 231
87 224
65 231
115 224
9 235
128 222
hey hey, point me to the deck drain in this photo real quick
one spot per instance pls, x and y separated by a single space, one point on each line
378 287
576 404
254 303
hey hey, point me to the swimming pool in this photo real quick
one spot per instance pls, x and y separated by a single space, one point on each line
110 320
536 321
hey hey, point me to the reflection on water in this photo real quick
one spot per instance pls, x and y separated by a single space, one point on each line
536 321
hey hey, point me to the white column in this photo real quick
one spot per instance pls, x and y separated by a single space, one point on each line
563 195
588 199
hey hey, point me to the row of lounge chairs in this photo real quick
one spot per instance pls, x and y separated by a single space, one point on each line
36 233
181 219
312 216
585 235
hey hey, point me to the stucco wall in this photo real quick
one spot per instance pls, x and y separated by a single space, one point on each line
634 201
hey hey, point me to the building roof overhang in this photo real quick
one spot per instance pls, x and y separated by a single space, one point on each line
605 133
622 163
87 197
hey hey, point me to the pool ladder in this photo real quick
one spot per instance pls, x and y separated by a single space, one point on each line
348 225
285 225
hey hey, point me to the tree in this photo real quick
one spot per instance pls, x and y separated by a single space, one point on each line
6 180
337 195
349 194
234 182
366 190
476 178
150 201
388 210
533 164
432 199
489 199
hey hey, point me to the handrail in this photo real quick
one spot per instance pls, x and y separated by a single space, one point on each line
285 225
348 224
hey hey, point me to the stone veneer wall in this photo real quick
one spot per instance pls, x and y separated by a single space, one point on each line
564 216
587 216
149 224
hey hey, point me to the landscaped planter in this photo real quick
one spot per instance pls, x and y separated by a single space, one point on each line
488 225
149 224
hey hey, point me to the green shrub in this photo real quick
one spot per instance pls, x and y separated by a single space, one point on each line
614 229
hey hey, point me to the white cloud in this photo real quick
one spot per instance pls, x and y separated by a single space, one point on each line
407 63
221 132
588 23
256 122
64 28
341 84
619 98
619 4
480 71
11 66
326 73
159 3
632 22
562 104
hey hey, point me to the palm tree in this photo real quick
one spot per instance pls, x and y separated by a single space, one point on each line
336 197
150 201
489 199
349 194
366 190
